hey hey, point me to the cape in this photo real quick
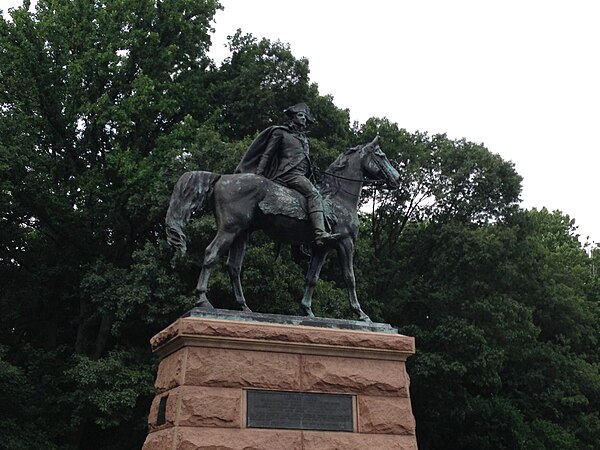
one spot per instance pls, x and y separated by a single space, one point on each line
251 159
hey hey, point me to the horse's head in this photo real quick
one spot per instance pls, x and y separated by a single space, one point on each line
376 165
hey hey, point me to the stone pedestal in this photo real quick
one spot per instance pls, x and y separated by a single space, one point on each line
210 360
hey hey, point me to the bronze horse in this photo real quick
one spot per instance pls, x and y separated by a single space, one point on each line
246 202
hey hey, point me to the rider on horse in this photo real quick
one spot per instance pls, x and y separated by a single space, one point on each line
281 154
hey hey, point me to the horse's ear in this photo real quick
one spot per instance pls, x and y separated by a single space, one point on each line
376 140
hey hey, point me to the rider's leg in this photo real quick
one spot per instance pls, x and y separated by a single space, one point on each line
315 206
318 221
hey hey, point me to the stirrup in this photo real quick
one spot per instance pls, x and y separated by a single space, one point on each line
324 237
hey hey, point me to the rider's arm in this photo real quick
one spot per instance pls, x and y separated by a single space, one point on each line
272 147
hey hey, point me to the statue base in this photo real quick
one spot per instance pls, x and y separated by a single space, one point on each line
233 380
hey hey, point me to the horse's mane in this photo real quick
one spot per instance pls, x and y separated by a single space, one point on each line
329 185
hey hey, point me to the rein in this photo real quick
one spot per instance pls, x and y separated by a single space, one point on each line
355 180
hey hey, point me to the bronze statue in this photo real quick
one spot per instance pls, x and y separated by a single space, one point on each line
244 202
281 153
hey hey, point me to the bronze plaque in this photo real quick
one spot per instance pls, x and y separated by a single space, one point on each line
299 411
161 416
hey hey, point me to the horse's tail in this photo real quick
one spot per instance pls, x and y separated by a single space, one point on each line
191 194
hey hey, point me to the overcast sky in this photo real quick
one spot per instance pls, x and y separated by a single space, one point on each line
521 77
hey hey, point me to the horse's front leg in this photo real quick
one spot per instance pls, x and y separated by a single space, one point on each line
317 259
345 250
234 266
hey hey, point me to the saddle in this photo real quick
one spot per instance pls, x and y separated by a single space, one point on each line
281 200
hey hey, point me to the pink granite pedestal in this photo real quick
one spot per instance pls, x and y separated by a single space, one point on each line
207 365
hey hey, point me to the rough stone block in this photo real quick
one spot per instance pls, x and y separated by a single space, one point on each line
291 334
241 368
219 439
385 415
170 371
160 440
355 441
351 375
290 337
209 407
199 407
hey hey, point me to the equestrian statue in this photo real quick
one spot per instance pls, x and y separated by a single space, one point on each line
271 190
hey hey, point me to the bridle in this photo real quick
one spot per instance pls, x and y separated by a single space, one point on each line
364 181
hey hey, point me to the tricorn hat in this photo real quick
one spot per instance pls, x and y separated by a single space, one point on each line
300 107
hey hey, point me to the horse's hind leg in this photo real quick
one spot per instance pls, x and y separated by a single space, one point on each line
217 248
234 266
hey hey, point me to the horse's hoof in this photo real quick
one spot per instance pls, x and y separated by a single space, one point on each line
307 310
246 309
364 318
204 304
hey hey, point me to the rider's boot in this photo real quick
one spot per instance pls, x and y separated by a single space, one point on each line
321 236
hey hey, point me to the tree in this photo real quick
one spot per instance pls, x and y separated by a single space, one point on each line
257 83
260 80
506 336
442 181
96 109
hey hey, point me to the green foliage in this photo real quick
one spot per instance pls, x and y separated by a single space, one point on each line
257 83
506 336
21 426
97 118
109 388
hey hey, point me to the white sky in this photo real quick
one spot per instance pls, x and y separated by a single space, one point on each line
520 76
